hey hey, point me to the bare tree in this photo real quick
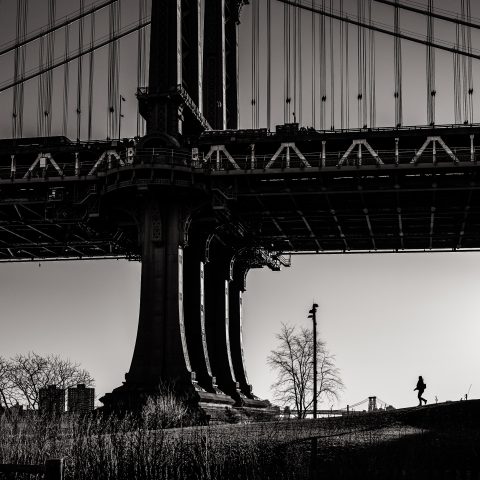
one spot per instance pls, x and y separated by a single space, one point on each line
22 377
7 396
293 363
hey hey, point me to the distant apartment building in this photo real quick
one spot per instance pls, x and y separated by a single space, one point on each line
80 399
52 400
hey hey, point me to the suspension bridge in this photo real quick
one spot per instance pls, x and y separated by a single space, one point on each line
245 145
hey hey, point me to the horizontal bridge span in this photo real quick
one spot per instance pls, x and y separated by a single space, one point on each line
60 199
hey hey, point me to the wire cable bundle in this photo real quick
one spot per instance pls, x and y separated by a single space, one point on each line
398 94
430 67
19 69
113 118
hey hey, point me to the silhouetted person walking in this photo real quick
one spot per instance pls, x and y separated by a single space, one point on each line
421 386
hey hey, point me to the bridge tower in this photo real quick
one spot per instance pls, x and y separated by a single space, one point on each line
189 330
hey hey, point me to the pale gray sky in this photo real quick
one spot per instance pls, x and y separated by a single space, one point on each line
387 318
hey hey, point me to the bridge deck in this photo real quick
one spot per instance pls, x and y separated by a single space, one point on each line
289 191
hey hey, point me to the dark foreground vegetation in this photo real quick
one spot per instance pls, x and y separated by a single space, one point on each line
142 447
160 444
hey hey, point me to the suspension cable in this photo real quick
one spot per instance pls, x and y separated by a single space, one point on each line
80 71
50 39
295 57
41 89
300 68
113 70
448 16
430 70
342 63
379 27
255 63
323 69
32 36
332 74
269 64
141 62
372 75
19 69
314 63
361 66
467 62
66 82
286 62
398 94
457 104
91 70
34 73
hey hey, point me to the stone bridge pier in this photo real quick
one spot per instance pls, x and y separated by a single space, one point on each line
190 320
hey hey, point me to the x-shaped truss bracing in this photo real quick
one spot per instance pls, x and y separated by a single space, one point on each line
433 141
218 150
107 157
41 160
287 147
359 143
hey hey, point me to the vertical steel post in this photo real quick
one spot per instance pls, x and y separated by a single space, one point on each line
313 316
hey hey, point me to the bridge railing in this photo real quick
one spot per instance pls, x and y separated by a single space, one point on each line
84 163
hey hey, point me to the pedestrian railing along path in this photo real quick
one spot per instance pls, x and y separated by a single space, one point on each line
51 469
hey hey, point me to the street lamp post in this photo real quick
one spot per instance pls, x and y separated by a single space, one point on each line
314 447
313 316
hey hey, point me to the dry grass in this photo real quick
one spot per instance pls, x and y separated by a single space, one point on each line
133 447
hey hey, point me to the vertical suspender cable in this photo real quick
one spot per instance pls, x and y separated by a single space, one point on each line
470 71
80 72
91 70
323 69
255 63
46 57
269 65
252 57
300 81
342 92
398 69
314 63
364 69
371 41
332 73
347 79
141 62
467 80
431 92
19 69
287 43
113 67
457 104
464 65
360 64
295 58
49 75
41 88
66 81
285 69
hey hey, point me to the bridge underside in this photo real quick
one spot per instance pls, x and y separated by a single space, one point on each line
200 217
